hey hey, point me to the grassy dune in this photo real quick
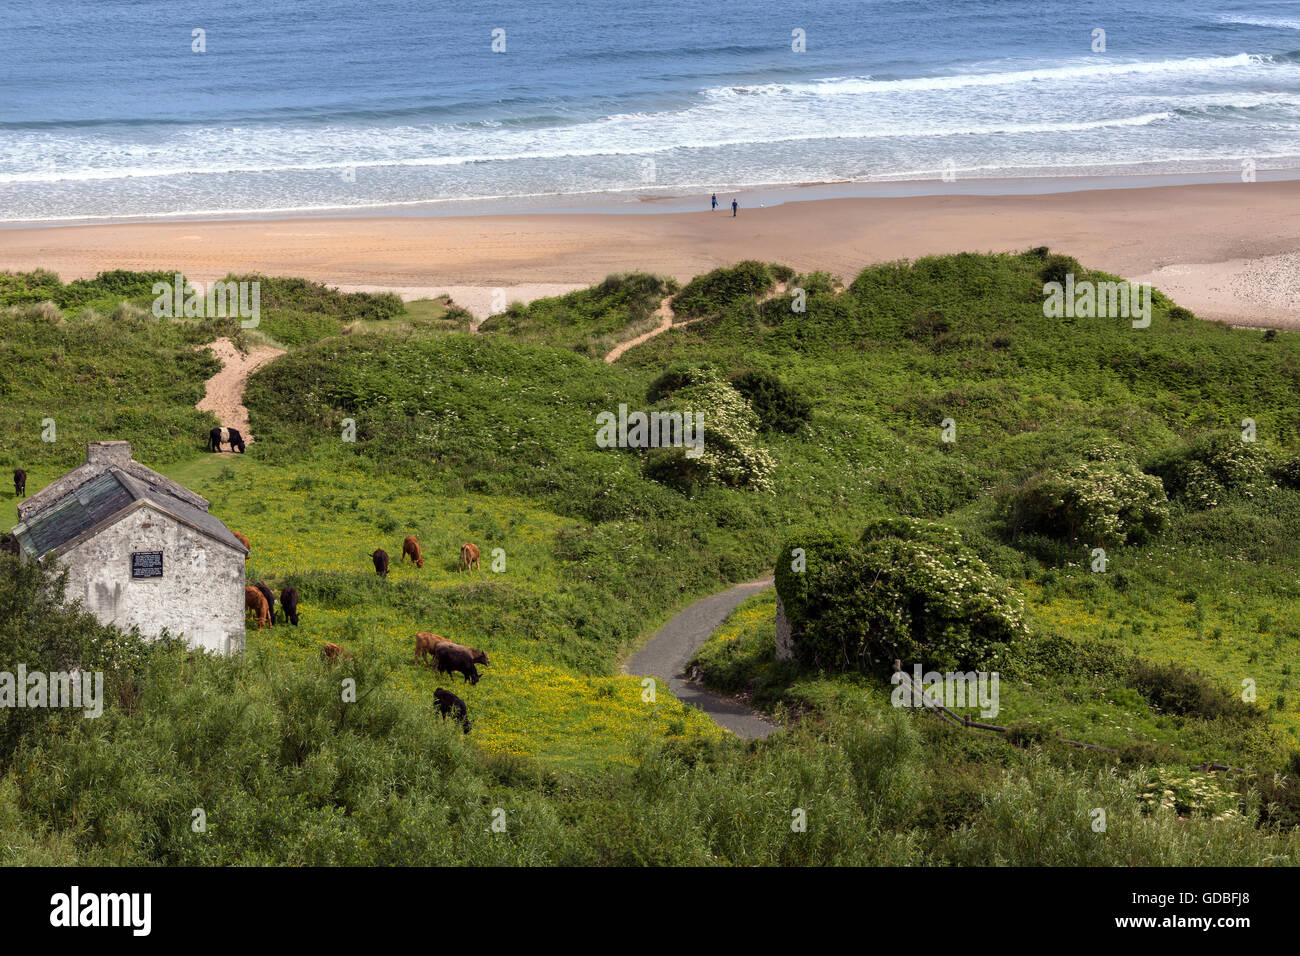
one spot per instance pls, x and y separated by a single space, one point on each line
490 438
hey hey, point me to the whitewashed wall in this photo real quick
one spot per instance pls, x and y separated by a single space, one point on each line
201 592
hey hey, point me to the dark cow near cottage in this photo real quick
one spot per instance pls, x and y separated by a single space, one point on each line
380 557
20 483
243 539
270 599
411 549
449 703
289 602
452 660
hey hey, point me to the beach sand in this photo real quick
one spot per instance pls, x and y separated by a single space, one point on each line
1227 251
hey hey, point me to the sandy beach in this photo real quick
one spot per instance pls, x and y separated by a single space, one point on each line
1227 251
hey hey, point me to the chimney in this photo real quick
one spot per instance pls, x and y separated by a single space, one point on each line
108 453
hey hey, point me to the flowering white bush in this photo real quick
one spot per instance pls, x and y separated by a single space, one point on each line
1102 502
732 454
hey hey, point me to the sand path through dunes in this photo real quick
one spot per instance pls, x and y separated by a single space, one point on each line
224 396
666 318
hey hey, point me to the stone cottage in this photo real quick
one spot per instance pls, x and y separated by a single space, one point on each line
140 549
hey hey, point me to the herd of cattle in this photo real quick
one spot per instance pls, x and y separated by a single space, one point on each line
446 656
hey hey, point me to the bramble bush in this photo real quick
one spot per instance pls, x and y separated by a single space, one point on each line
778 406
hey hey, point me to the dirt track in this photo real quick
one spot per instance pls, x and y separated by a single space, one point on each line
224 397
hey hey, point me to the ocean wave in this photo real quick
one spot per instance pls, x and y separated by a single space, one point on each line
891 132
860 85
1263 22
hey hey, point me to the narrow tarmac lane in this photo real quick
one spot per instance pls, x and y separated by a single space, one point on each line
666 655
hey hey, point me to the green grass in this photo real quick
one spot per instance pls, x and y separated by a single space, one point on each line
490 438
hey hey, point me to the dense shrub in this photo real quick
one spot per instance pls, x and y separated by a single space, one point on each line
1104 502
1200 473
778 406
908 590
1056 267
714 291
732 454
1187 693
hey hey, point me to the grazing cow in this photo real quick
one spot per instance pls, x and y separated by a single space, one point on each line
20 483
380 557
217 437
332 652
468 556
451 660
449 703
255 601
270 599
243 539
411 547
236 440
426 642
289 602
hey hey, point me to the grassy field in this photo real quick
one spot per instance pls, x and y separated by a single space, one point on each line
490 438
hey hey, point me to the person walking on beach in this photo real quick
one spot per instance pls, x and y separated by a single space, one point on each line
734 206
715 200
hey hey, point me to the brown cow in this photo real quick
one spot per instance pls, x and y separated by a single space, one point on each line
244 541
468 556
411 547
427 643
332 652
254 601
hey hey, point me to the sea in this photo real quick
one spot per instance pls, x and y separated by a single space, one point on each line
172 108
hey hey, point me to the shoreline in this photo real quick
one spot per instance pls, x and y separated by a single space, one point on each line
1227 251
665 200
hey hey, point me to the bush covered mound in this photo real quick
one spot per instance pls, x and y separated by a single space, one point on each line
908 591
1106 502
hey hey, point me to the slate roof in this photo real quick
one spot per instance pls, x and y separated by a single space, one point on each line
101 499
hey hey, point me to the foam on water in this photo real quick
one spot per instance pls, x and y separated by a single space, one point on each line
342 110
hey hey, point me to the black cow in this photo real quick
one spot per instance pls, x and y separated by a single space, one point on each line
230 436
289 602
455 659
270 599
449 703
20 483
380 557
